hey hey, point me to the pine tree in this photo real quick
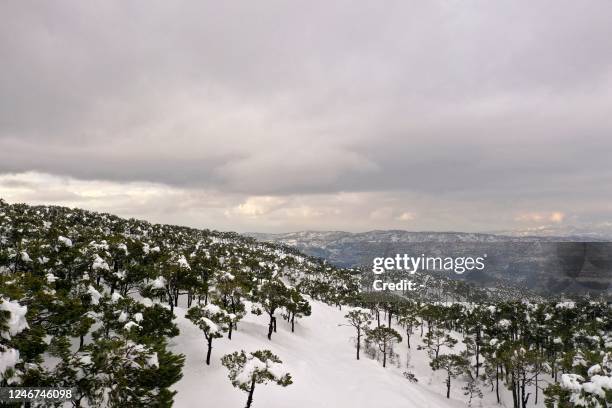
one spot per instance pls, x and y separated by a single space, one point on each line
453 364
297 307
384 337
360 319
212 320
409 319
258 367
435 339
270 296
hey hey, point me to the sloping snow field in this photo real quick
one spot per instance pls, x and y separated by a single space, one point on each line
320 356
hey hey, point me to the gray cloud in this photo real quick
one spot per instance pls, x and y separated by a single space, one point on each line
451 112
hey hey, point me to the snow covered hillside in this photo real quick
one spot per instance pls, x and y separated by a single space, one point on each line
320 356
132 314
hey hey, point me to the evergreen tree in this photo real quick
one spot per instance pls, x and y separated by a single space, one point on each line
409 319
212 320
258 367
384 337
453 364
360 319
434 340
297 307
270 296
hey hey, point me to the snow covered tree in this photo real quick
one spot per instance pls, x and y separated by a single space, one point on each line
360 319
212 320
384 337
435 339
453 364
522 368
270 296
409 319
296 306
258 367
590 390
12 322
229 289
117 372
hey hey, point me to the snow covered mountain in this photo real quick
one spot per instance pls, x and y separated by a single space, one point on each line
548 264
132 314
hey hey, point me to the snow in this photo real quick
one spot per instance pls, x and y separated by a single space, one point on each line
182 262
65 241
252 366
227 276
152 360
159 283
212 309
95 295
17 320
277 370
566 305
99 263
145 301
596 369
571 382
597 384
129 325
25 257
212 326
8 359
51 278
122 317
320 357
138 317
85 359
504 323
115 297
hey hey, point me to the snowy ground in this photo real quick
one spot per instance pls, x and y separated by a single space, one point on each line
321 359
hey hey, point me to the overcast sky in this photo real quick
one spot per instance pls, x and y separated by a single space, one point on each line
282 116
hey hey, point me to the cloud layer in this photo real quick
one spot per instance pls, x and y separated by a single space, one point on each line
323 115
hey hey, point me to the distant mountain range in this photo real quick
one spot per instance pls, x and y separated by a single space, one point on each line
594 232
546 264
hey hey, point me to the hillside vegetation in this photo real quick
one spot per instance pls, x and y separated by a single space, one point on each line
129 313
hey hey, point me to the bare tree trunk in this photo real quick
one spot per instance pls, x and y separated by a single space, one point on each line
497 382
384 356
358 341
209 350
270 327
408 330
250 399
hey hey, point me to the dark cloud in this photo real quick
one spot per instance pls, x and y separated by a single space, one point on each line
437 101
